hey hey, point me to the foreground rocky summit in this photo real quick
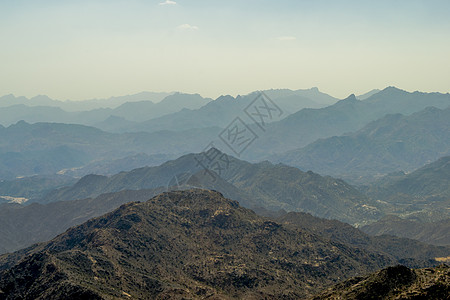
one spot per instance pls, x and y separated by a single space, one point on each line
184 244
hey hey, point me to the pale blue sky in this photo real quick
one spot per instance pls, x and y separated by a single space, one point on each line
87 49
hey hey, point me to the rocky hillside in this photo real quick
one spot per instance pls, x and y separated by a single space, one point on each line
184 244
395 283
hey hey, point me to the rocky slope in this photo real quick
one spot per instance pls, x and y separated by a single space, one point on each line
184 244
397 282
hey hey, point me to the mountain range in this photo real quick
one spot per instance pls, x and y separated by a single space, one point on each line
47 148
26 225
277 194
180 111
263 187
260 185
90 104
392 143
269 186
131 112
193 243
224 109
25 148
348 115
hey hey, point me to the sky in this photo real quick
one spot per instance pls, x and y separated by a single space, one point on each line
100 48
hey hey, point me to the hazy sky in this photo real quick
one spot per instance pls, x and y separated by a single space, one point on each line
86 49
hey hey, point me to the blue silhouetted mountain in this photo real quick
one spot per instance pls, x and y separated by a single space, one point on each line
293 132
224 109
368 94
47 148
348 115
84 105
392 143
135 111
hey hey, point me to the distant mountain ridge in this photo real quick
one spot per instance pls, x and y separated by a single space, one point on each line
133 112
68 105
221 111
47 148
392 143
337 200
347 115
368 94
119 115
85 145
